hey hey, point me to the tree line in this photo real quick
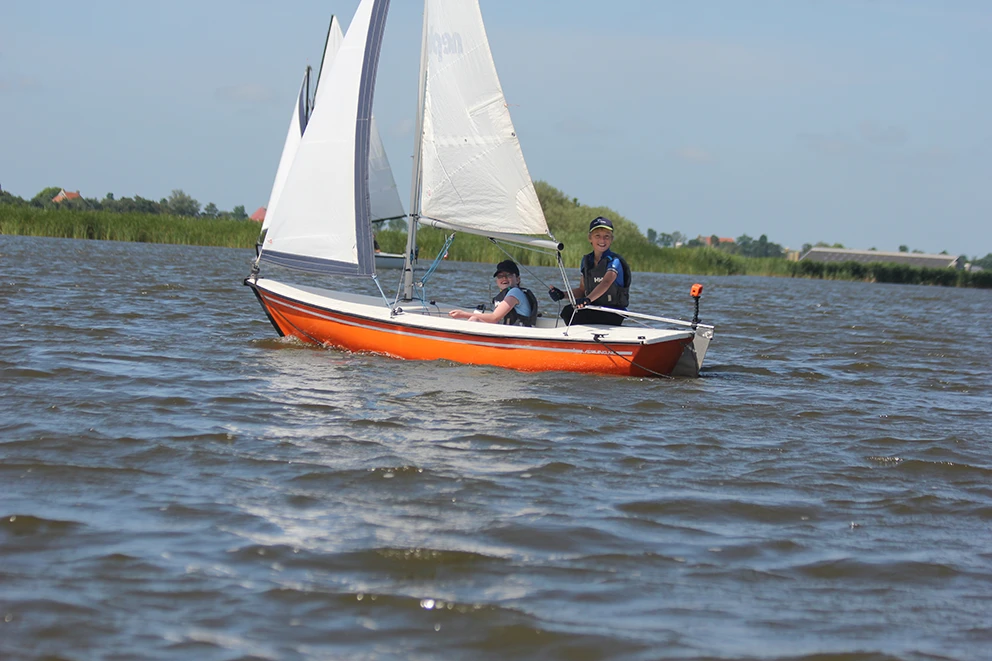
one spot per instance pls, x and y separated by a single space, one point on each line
746 246
563 213
177 204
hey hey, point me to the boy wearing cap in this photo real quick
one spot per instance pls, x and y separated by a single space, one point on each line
605 280
514 305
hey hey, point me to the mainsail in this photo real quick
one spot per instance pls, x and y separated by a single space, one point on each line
473 173
322 217
297 125
383 194
331 46
298 121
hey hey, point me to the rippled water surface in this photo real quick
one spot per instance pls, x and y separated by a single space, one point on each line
178 483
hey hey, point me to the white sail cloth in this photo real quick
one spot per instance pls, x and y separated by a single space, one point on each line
335 37
298 121
473 172
383 194
297 124
322 216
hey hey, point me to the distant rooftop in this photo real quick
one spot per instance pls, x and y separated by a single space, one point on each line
867 256
64 195
708 240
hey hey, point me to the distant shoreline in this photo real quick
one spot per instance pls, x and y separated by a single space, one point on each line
642 256
133 226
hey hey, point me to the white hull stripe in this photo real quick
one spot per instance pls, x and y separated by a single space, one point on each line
498 345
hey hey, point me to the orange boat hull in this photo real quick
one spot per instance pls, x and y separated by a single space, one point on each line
318 325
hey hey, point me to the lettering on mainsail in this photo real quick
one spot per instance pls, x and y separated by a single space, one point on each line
447 43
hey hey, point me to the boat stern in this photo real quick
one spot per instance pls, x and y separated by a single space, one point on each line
692 357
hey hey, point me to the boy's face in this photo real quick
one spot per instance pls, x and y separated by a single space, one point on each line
601 239
504 280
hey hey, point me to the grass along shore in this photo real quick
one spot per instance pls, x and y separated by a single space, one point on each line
137 227
151 228
689 261
567 219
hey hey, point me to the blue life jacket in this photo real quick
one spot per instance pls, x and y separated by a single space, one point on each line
513 318
618 295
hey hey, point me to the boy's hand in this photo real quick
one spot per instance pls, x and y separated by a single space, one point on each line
556 294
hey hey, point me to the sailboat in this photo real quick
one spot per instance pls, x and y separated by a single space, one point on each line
469 176
383 193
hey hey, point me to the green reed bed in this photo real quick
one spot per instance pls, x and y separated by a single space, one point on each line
644 257
892 273
640 255
568 220
138 227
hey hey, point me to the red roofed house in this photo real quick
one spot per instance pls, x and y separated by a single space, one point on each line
259 215
66 195
707 240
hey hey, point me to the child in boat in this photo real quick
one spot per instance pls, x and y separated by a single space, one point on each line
514 305
604 280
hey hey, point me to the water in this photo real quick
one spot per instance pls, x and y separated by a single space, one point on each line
178 483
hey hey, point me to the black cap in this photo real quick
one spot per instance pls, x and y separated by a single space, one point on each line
601 222
507 266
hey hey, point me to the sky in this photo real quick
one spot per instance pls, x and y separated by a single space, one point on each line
861 122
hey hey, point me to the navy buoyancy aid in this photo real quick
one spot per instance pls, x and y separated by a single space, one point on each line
513 318
593 274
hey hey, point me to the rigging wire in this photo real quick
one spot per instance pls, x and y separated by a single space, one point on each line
558 260
524 266
375 279
420 293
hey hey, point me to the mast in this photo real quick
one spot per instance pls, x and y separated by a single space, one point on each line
309 107
418 137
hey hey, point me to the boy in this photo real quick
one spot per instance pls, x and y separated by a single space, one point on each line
514 305
605 280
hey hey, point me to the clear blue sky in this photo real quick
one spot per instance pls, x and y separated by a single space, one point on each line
864 122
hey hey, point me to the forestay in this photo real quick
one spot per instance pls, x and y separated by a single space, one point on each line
473 173
322 222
